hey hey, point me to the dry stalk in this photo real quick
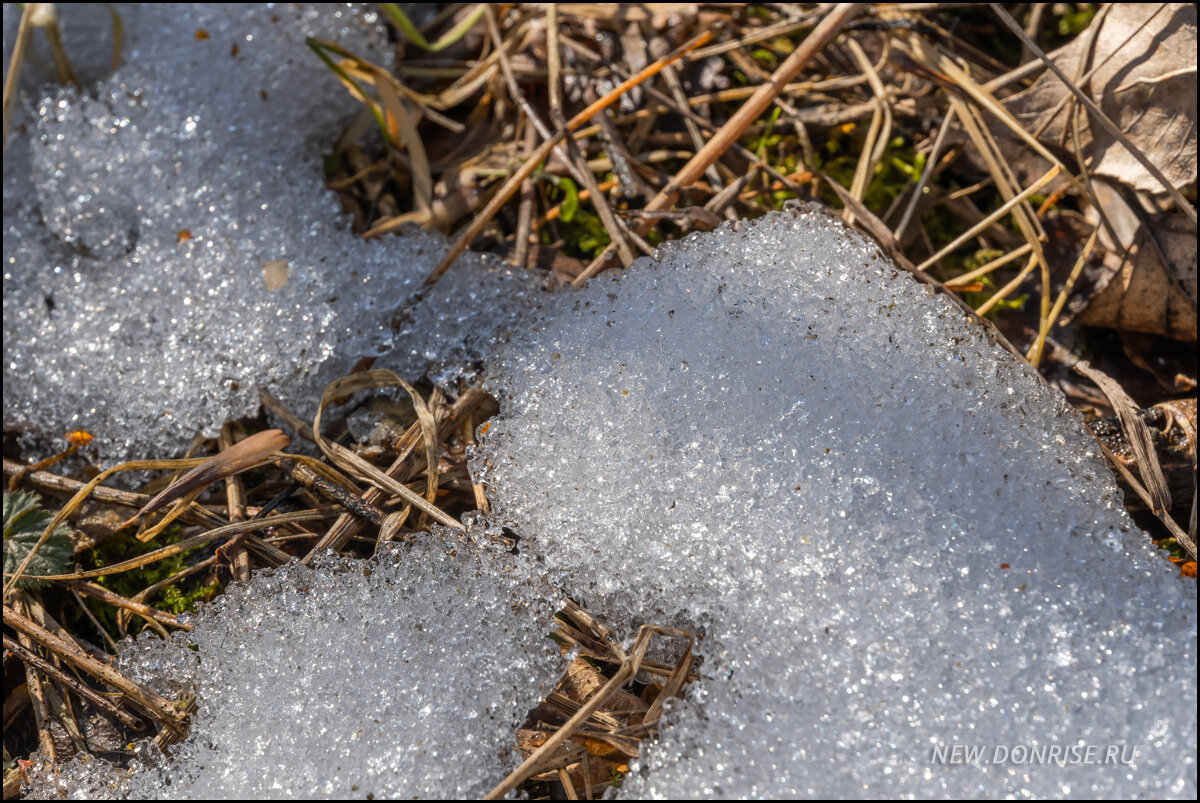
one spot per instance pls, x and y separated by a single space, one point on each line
750 111
161 709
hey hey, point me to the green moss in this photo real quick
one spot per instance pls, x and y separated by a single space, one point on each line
179 597
578 225
1073 19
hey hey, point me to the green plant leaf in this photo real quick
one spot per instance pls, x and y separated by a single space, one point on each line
409 31
24 521
570 203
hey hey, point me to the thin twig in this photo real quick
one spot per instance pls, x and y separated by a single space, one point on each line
102 703
514 181
162 709
751 110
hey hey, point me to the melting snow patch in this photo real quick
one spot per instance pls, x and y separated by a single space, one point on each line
168 246
896 537
405 676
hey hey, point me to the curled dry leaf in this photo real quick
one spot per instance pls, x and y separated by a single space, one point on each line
237 458
1141 71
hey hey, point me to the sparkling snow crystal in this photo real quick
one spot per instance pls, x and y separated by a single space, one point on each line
895 537
168 245
402 677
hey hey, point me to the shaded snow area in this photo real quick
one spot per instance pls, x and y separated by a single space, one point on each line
168 247
897 543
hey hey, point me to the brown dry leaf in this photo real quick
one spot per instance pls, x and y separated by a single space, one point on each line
237 458
1154 291
582 681
605 745
1144 79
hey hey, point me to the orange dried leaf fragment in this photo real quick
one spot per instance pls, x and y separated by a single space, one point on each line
80 437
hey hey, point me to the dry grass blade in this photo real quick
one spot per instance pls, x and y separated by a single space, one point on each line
930 165
160 708
193 542
410 32
177 510
992 218
1023 214
750 111
769 32
145 611
15 61
238 458
402 131
983 270
1035 351
355 465
36 690
514 181
616 233
118 43
880 131
235 508
1188 543
1136 432
390 529
628 669
47 19
429 435
675 681
520 256
568 787
56 484
346 525
29 657
82 494
1008 289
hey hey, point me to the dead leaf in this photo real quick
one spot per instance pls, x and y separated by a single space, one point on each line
1143 77
239 457
582 681
1154 291
1136 432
